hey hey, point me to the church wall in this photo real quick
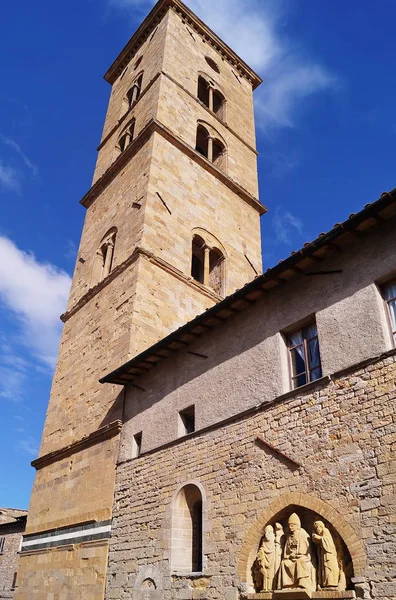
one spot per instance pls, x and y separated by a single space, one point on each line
75 572
247 359
185 56
93 340
341 431
162 305
198 199
144 110
181 114
113 208
80 486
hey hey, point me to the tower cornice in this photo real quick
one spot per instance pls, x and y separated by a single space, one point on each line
152 20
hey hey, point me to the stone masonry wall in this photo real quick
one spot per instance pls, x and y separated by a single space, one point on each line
65 573
9 559
342 431
198 199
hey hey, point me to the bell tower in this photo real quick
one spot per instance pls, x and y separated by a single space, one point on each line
171 227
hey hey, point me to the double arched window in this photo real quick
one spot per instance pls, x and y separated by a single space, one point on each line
126 136
211 97
208 262
187 531
211 146
104 256
133 94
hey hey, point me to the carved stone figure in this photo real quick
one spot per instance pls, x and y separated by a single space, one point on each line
266 558
296 569
328 568
279 542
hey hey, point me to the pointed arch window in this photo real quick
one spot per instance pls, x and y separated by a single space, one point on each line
105 256
187 531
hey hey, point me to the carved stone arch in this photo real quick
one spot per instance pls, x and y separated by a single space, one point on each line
212 132
111 233
321 509
177 521
210 79
133 93
211 240
126 136
103 260
208 260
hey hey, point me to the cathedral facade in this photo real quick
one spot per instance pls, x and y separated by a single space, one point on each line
212 432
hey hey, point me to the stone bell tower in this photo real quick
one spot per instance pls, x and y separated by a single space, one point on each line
171 227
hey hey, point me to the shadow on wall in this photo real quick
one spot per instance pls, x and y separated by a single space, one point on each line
275 311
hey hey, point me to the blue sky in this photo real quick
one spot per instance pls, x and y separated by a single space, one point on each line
326 127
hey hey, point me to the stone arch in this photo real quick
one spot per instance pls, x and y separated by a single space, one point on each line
103 262
211 95
322 509
208 260
126 136
187 553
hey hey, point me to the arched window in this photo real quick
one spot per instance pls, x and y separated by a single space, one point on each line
104 256
133 93
211 97
198 259
219 103
211 147
202 143
187 531
207 264
126 136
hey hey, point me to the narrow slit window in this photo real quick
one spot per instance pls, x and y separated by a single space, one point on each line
137 445
389 294
305 355
2 544
187 421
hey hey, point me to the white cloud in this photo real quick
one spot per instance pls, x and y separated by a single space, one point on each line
29 445
26 160
9 177
255 30
36 293
286 226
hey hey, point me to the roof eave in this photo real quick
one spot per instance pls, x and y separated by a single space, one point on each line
271 274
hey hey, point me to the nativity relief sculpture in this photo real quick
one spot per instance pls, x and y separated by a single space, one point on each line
295 559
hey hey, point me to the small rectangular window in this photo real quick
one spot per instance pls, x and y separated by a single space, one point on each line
187 421
2 543
305 356
137 445
389 294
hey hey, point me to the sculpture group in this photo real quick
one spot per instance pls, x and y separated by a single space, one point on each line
288 560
